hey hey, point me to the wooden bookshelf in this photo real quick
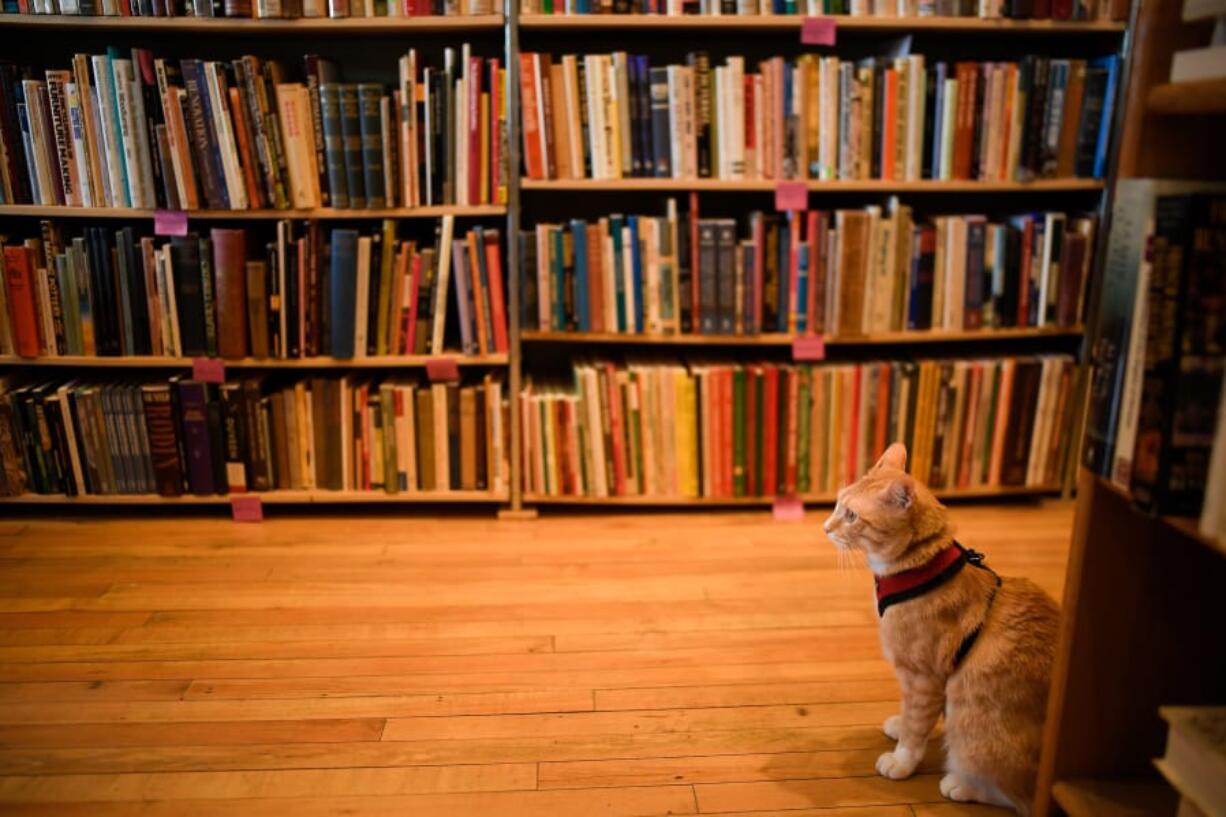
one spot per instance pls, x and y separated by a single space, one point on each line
816 185
285 497
167 362
782 339
320 213
260 27
769 22
1122 798
986 492
1176 98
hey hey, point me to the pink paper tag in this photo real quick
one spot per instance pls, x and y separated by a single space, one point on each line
809 347
788 509
169 222
817 31
208 370
791 196
442 370
247 508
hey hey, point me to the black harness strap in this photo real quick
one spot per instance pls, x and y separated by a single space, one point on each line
975 558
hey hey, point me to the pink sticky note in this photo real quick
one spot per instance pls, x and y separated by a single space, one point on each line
169 222
809 347
817 31
788 509
247 508
208 370
791 196
442 370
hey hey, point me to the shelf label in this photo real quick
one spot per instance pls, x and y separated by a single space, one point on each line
208 370
169 222
788 509
791 196
818 31
809 347
442 370
247 508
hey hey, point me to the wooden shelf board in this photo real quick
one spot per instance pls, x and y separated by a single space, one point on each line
313 497
782 339
1185 525
1119 798
386 362
1199 97
818 186
38 211
770 22
230 25
758 501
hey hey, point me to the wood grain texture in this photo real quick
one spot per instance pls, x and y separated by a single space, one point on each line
621 666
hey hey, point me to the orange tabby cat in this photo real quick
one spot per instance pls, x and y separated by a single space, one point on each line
961 640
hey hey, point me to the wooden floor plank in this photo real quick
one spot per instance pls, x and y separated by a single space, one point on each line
626 665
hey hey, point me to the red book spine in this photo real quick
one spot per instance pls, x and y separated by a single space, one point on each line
725 442
618 429
1023 282
474 130
530 107
888 125
770 443
230 271
883 411
493 263
752 376
853 467
495 127
21 301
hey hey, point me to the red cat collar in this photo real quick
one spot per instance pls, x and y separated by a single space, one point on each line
917 581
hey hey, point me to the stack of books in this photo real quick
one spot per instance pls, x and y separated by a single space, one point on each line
991 9
610 116
126 129
180 436
719 430
1160 349
260 9
843 272
304 293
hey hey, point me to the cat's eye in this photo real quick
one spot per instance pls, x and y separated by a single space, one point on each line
849 515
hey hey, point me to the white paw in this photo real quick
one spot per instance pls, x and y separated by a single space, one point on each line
898 764
957 789
892 727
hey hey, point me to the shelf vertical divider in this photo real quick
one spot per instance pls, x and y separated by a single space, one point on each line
510 23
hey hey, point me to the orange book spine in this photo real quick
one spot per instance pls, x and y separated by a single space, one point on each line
530 117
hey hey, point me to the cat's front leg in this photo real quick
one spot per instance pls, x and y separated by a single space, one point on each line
923 698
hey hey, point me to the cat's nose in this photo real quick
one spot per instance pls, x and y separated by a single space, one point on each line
828 524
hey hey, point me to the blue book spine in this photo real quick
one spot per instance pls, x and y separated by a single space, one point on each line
214 144
558 273
785 277
619 281
661 132
1104 126
351 138
937 114
334 142
463 295
582 301
802 288
636 258
344 279
371 130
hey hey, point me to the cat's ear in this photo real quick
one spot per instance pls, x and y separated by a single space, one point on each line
894 457
900 493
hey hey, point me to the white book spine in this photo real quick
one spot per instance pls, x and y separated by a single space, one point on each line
442 285
610 102
950 104
625 134
595 116
144 153
627 272
80 149
1134 373
736 116
676 142
128 126
109 115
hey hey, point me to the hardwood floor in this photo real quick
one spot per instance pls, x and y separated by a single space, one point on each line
579 665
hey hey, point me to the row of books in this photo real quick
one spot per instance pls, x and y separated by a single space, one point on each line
846 272
126 129
182 436
1159 350
608 116
259 9
1016 9
302 294
733 430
